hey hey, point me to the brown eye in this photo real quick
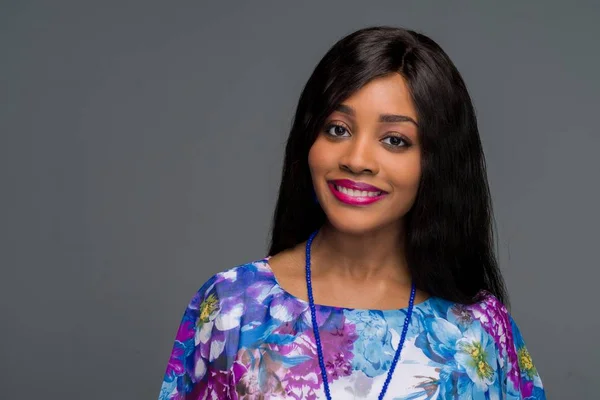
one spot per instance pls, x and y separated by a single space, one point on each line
336 130
396 141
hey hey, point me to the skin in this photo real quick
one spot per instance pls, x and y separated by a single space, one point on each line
358 259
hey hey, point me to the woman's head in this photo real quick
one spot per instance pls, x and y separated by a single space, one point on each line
365 162
425 156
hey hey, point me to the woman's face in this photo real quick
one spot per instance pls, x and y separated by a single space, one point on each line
366 161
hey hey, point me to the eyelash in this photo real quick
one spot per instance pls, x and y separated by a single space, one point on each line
328 127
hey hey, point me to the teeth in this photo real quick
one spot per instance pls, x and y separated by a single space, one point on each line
356 193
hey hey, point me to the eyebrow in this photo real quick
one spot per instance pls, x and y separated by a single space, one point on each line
385 118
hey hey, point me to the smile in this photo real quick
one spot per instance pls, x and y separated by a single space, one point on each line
355 193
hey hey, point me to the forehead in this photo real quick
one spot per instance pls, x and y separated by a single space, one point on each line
384 95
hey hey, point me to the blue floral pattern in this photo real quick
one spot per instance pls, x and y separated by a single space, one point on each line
244 337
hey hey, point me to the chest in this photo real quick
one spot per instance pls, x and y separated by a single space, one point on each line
358 349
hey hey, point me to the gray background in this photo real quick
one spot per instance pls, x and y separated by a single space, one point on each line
141 146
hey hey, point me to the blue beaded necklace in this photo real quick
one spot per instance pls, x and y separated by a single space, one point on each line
311 304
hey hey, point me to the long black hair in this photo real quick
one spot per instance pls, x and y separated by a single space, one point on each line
449 232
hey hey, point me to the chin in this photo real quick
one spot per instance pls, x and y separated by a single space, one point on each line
356 224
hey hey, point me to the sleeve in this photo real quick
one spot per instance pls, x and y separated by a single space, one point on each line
523 380
190 374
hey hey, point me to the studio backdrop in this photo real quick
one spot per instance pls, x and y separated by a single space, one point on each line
141 148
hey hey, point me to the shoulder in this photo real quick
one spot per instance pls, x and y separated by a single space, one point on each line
485 323
222 299
487 310
487 315
491 317
523 380
234 286
211 319
237 281
481 345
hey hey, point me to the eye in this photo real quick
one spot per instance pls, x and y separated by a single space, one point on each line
336 130
396 141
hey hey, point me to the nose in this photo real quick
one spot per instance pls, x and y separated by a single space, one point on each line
359 157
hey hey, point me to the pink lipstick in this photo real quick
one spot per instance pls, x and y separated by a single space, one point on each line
355 193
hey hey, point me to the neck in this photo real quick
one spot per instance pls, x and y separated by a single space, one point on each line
370 255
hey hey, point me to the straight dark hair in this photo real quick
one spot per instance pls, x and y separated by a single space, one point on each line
449 232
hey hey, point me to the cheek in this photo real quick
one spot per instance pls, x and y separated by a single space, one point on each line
415 174
319 159
406 181
407 175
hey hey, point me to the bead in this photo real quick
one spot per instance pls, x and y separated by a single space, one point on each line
313 312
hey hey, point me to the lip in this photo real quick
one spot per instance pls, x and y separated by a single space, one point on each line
347 183
355 200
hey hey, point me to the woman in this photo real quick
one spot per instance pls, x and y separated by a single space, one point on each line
381 279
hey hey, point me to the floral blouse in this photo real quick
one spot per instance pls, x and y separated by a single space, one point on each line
244 337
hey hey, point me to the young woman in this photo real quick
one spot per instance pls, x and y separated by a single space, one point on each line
381 280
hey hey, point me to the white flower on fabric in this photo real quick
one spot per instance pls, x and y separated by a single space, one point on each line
230 319
281 312
216 348
230 275
199 369
475 352
203 334
395 339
